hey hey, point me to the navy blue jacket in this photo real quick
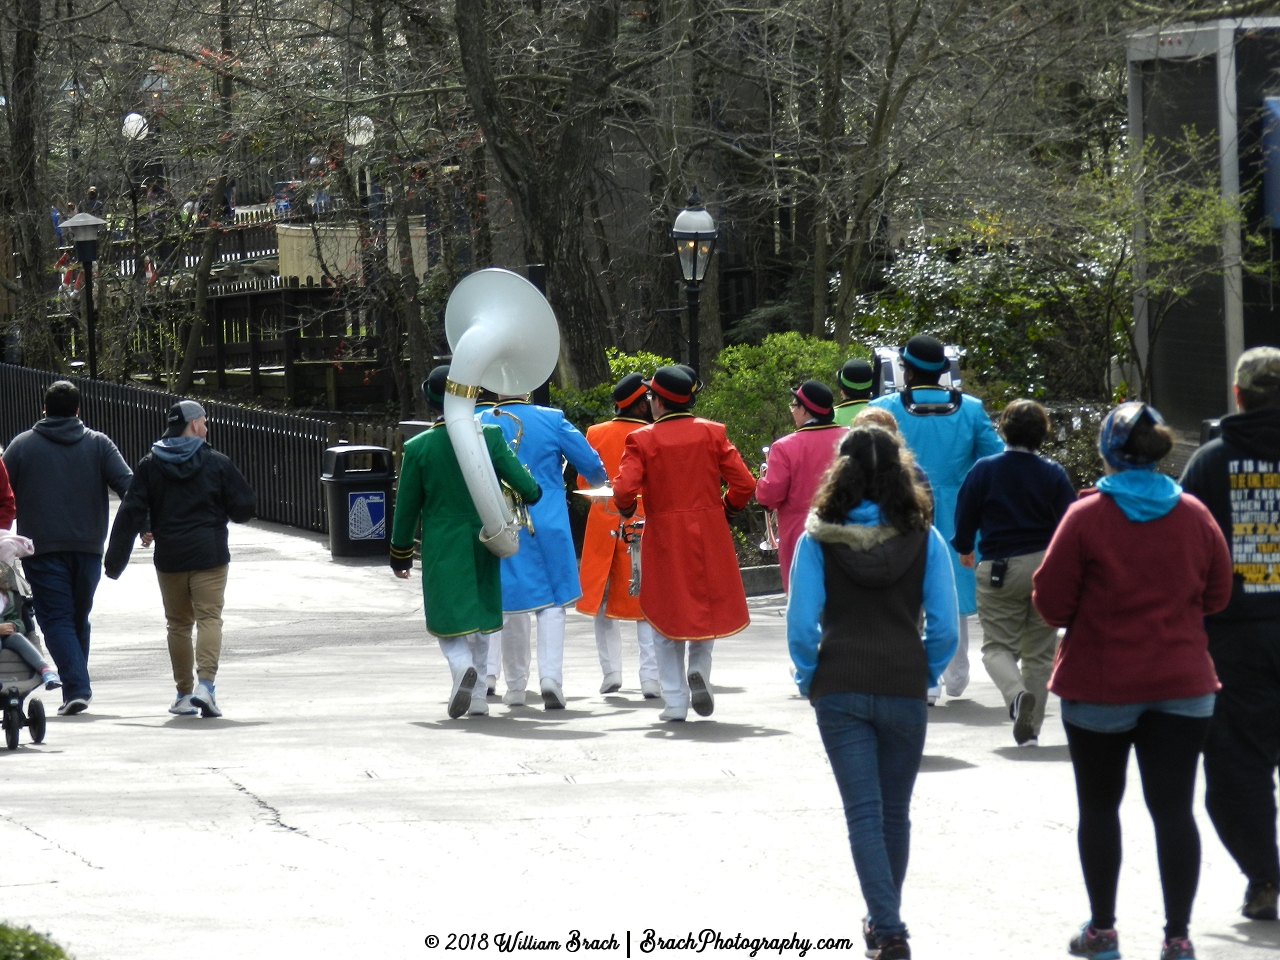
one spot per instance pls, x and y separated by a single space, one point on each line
1014 500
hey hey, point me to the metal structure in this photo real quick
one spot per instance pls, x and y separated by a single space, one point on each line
1212 78
695 235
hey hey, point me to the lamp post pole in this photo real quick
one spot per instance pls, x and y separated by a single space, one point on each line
692 292
694 233
84 231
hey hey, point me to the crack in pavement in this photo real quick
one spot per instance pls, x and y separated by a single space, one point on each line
274 815
34 832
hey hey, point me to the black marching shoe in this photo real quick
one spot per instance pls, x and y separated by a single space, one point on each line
1260 900
895 948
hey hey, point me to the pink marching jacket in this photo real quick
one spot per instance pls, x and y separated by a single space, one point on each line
796 465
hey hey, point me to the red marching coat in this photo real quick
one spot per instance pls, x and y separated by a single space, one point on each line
690 588
606 560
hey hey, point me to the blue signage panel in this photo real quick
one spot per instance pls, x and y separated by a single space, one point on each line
367 516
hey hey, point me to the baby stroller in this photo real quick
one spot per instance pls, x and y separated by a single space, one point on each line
17 678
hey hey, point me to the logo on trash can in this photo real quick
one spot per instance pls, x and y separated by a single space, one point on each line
367 516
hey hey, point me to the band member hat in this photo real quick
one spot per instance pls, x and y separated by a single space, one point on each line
693 375
815 396
433 386
629 389
925 353
671 384
855 375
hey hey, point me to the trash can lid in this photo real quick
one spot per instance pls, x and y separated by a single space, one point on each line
366 461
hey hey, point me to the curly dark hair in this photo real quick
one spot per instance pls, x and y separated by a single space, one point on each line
874 464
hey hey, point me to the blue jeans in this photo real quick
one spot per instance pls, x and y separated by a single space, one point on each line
875 744
62 588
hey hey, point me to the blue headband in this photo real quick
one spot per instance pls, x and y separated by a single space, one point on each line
1115 432
923 364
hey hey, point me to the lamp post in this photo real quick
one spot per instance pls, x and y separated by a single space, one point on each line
695 235
84 231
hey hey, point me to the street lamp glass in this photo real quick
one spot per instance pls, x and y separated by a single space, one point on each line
134 127
695 235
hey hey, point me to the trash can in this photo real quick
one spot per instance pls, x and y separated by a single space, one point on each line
357 482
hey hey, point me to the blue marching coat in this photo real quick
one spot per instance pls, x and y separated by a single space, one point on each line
946 447
544 572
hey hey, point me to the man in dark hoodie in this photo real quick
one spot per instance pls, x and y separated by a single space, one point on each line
60 471
191 491
1237 476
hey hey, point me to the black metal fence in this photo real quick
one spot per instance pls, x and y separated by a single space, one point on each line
278 453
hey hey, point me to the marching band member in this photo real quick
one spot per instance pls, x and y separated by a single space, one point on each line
605 573
691 591
948 432
856 383
542 577
796 464
461 591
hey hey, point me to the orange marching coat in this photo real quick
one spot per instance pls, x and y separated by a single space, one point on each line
606 560
690 587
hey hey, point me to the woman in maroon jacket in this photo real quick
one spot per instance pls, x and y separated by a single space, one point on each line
1131 573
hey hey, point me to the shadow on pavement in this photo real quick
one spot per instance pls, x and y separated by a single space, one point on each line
711 731
28 748
621 703
968 712
196 723
81 717
933 764
1058 754
531 729
1251 933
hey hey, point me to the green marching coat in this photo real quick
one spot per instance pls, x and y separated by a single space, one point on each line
461 584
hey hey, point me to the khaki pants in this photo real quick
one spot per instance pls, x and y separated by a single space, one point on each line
1012 631
194 597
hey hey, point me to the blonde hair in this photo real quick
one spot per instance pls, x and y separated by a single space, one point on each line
877 415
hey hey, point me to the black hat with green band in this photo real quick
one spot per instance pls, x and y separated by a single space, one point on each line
855 376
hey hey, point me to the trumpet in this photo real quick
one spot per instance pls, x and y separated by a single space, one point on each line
630 532
770 542
515 503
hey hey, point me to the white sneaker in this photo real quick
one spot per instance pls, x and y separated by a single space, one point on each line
700 695
460 699
674 713
612 683
651 689
204 699
1033 742
491 685
552 695
183 707
479 707
513 698
74 706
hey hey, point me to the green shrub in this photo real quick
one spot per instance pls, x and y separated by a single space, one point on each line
25 944
582 408
750 389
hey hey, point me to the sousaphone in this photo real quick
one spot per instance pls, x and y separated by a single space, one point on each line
505 339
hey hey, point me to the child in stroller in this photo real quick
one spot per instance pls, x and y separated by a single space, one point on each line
22 669
15 624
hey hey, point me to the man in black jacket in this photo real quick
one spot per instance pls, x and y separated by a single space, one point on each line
60 471
1237 476
191 490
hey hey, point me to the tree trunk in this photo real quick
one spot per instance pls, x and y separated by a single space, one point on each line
31 214
208 256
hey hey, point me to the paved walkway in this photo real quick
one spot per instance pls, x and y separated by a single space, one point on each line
335 812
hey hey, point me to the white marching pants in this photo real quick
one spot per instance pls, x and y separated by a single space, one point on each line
515 647
494 667
468 650
671 670
609 646
956 677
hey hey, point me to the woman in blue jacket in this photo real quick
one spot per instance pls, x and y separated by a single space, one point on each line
868 562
